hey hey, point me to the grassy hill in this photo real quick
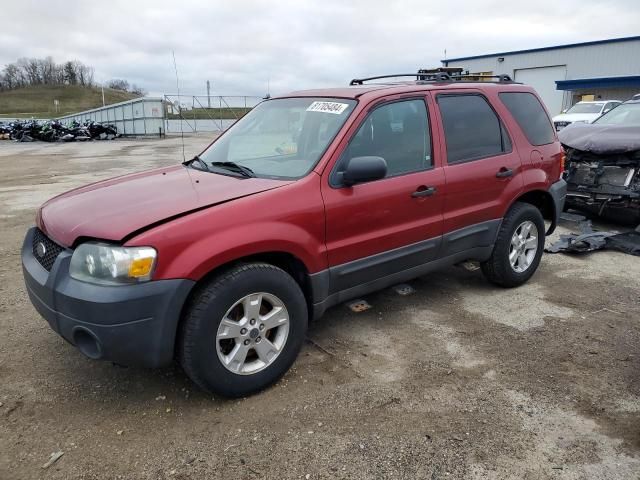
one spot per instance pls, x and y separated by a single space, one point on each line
37 101
214 113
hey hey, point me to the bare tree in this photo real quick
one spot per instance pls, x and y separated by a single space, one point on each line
136 90
84 73
45 71
29 70
10 76
58 74
118 84
88 75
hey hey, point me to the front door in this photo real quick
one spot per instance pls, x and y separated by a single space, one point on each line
381 227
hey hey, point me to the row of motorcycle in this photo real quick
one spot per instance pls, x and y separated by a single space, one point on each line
55 131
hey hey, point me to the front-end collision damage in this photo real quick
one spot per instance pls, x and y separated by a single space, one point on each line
603 171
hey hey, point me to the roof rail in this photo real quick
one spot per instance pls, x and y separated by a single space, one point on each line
440 74
360 81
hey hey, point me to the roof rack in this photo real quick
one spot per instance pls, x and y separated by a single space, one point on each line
502 78
360 81
440 74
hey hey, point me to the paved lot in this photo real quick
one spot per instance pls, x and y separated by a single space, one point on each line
459 380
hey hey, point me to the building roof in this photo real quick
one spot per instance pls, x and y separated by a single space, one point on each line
599 82
544 49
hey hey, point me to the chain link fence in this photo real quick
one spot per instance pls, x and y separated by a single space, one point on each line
205 113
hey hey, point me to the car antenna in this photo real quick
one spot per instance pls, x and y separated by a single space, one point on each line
175 67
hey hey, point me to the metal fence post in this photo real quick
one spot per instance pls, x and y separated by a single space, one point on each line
220 112
195 123
144 116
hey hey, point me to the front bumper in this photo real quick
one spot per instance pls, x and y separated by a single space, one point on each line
558 192
127 324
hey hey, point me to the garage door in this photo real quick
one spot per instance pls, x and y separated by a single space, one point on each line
543 79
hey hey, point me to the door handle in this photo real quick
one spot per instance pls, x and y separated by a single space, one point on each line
423 191
504 172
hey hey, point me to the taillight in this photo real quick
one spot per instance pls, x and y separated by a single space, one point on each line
563 159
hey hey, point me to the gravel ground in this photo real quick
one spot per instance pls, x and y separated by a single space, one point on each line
458 380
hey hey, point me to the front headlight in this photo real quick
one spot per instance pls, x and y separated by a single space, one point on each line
112 265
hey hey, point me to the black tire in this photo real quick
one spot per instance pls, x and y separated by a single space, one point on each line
497 269
197 351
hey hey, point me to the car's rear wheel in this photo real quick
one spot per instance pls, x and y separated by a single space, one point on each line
243 330
518 248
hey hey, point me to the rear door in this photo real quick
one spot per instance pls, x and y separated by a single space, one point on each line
483 169
385 226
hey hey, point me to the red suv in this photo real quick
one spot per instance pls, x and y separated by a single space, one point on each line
309 200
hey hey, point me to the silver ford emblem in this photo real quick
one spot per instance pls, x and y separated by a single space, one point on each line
41 250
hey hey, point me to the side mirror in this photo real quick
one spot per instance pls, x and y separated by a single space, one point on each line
364 169
606 110
564 110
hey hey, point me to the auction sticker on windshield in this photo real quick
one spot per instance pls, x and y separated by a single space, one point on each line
328 107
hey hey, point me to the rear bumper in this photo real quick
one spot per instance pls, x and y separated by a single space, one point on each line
558 192
128 324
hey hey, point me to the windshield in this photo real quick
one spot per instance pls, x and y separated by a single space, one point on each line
281 138
627 114
586 108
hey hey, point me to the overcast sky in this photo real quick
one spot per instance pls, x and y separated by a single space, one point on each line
240 45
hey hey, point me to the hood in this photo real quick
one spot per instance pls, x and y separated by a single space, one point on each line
576 117
601 139
113 209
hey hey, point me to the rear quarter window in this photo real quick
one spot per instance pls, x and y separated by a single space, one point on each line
530 115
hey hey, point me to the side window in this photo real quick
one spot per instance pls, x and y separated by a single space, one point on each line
397 132
472 129
530 115
609 106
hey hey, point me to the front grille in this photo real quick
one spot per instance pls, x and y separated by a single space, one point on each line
45 250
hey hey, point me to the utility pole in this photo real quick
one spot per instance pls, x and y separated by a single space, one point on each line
102 86
208 94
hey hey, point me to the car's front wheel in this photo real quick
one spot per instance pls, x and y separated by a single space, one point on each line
243 330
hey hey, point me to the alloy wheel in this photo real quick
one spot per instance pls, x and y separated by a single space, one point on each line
524 246
252 333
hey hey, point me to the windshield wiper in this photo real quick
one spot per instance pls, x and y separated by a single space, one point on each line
199 161
234 167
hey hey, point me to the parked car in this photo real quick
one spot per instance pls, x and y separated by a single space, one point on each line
603 164
309 200
583 112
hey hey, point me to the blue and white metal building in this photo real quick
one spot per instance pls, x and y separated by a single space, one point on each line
140 116
565 74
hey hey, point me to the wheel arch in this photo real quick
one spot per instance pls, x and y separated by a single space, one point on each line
286 261
543 201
